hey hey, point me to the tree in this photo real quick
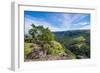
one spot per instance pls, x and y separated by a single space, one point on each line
79 47
47 35
41 33
27 38
33 31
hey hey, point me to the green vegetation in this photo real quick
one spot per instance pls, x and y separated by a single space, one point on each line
41 43
27 49
54 48
41 33
78 44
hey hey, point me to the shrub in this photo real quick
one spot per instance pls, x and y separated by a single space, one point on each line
41 33
54 48
27 49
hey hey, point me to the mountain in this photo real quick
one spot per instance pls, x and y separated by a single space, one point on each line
71 33
77 41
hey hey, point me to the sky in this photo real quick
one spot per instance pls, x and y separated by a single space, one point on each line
57 21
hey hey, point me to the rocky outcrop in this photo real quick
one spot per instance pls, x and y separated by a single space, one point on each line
46 51
37 52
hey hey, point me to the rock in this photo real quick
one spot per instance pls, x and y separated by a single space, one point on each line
37 53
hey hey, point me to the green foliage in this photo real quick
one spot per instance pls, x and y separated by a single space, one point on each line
33 31
66 46
46 40
57 48
27 38
41 33
79 39
54 48
70 54
27 49
86 50
47 35
79 47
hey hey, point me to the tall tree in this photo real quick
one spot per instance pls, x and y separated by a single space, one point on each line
41 33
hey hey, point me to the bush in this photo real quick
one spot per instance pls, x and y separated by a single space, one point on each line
70 54
27 49
41 33
54 48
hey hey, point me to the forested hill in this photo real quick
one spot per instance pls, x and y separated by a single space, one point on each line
42 44
77 41
71 33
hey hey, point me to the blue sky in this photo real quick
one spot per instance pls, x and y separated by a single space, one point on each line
57 21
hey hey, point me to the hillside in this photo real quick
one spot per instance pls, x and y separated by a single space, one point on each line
42 44
71 33
77 41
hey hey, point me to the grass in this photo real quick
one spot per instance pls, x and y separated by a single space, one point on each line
27 48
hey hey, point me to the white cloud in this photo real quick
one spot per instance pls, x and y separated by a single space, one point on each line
70 19
31 20
66 22
85 27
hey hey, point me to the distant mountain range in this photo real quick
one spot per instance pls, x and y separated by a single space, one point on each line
71 33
